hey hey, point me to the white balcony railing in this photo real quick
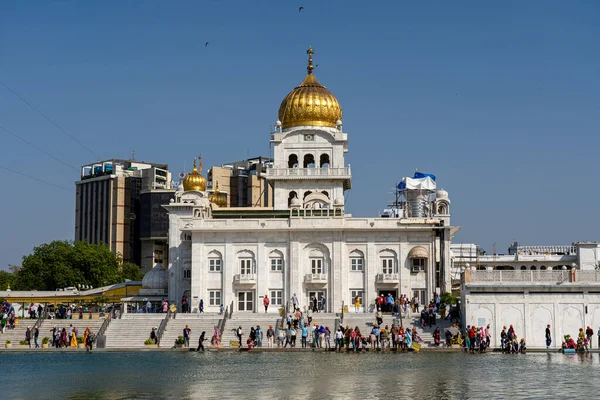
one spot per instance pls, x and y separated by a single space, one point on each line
387 278
244 278
308 172
549 276
315 278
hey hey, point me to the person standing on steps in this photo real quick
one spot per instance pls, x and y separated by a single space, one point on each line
186 335
201 306
294 301
36 334
270 336
266 302
28 336
200 340
239 333
259 336
548 337
589 332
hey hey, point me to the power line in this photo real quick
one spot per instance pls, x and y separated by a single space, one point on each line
49 120
35 178
37 148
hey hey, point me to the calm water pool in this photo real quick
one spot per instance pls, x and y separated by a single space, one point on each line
161 375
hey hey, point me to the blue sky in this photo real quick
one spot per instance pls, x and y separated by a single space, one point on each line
499 100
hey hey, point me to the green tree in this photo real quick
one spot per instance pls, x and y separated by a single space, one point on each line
131 271
6 279
62 263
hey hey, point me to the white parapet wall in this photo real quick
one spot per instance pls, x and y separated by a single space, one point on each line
531 300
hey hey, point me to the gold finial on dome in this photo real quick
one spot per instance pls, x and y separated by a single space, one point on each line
218 198
310 103
310 52
194 181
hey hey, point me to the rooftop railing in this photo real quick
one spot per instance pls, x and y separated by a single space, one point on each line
547 276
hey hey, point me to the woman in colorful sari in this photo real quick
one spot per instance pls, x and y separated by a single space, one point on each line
64 340
85 336
73 341
216 337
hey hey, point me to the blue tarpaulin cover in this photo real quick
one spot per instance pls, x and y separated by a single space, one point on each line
419 175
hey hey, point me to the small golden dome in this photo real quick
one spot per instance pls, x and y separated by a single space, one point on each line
218 198
310 104
194 181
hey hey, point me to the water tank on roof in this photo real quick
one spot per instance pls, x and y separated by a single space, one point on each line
417 208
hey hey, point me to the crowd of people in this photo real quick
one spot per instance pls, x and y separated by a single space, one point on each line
9 320
67 337
584 340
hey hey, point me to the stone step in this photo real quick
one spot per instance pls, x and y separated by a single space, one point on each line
327 319
175 328
130 332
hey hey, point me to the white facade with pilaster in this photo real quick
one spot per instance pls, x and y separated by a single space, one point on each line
306 244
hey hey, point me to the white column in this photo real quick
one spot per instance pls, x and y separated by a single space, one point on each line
371 269
336 286
262 274
229 269
198 282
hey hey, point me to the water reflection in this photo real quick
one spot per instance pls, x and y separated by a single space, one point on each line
157 375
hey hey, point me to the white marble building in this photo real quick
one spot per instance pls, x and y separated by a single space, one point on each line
305 244
530 300
579 255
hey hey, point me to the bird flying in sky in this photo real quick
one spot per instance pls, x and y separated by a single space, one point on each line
300 9
206 44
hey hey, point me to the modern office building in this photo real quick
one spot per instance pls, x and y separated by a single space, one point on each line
243 182
117 203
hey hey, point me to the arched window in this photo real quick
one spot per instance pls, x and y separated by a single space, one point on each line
523 268
246 262
357 261
308 192
215 261
276 261
291 196
309 161
533 268
388 262
293 161
317 262
543 268
325 193
324 160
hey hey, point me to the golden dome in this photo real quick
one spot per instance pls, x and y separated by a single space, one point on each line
310 104
194 181
218 198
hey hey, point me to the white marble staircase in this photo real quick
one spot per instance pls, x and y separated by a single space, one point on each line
197 323
248 320
18 333
131 330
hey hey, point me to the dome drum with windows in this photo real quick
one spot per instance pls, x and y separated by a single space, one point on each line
310 103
